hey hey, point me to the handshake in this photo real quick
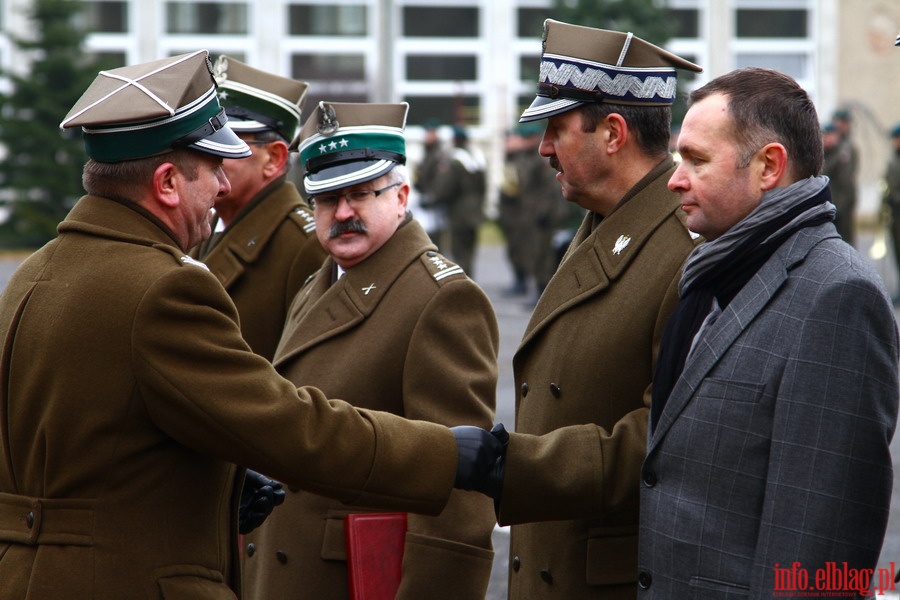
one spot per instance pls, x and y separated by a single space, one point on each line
479 468
481 457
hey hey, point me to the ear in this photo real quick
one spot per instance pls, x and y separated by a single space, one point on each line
403 197
277 153
165 188
772 166
616 132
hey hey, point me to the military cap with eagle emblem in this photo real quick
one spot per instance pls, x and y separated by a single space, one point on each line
257 101
154 107
343 144
582 64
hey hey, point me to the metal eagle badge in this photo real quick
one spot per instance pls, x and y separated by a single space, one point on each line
621 243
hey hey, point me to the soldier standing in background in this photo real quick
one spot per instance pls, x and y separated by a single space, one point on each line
532 210
841 167
512 218
891 198
424 178
459 188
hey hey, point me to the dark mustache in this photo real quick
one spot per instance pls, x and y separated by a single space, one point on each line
554 162
348 226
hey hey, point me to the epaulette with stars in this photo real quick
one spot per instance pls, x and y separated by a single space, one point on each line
304 218
440 267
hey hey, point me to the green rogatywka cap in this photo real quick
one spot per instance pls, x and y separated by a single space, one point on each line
146 109
256 101
343 144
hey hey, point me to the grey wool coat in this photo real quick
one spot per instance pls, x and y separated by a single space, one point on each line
405 331
773 447
128 398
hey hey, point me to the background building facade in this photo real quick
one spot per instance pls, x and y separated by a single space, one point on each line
475 61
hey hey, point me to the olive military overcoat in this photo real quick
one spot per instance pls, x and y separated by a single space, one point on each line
586 360
128 395
405 331
263 259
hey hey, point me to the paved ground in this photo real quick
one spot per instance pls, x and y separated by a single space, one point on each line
492 272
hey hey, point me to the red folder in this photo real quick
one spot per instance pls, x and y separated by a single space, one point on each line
374 554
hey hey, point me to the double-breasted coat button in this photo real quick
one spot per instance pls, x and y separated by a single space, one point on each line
524 389
554 389
645 579
251 549
649 478
516 563
281 556
29 519
546 576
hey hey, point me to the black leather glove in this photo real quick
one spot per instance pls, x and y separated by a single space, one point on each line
481 455
259 497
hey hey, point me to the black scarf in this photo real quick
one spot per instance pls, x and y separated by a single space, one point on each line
723 281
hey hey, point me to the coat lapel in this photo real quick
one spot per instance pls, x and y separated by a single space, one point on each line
599 256
244 240
722 334
324 310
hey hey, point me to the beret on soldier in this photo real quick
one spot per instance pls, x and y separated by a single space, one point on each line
256 101
343 144
583 64
150 108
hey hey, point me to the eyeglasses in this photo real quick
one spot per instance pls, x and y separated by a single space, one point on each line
354 198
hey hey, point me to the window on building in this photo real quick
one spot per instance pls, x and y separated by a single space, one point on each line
793 64
687 22
224 18
440 21
530 68
321 19
332 77
337 67
685 76
465 110
336 91
763 23
442 67
524 102
106 17
531 22
109 59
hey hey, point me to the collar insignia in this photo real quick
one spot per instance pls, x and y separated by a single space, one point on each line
623 241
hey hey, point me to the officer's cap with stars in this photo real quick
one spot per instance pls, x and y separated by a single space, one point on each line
582 64
154 107
343 144
257 101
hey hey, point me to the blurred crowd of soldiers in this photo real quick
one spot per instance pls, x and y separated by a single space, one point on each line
842 165
536 222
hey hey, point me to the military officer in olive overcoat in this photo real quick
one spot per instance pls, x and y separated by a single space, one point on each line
402 329
129 395
584 366
267 247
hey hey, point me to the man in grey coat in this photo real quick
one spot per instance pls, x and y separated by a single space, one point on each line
768 468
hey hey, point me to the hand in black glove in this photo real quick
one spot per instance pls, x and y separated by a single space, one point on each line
481 455
259 497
